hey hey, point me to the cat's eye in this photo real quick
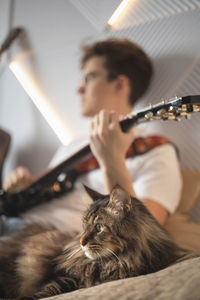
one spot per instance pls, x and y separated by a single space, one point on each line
99 227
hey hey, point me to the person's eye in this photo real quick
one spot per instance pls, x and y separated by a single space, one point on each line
89 76
99 227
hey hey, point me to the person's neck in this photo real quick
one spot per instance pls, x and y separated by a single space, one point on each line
122 105
124 110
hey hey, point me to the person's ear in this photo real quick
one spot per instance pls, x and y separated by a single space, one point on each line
122 82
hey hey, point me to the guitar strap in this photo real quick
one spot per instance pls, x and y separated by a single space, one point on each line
140 145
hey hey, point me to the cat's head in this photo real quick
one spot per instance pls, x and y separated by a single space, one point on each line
114 223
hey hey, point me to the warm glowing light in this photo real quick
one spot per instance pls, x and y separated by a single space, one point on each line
41 103
117 12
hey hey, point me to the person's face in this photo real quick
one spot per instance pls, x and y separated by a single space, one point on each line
96 91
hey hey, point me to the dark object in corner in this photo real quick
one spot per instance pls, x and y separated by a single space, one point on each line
4 147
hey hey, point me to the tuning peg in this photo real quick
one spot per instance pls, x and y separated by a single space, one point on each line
162 114
148 115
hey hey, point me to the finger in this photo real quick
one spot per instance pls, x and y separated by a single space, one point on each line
104 116
94 125
6 185
94 135
114 116
20 175
17 178
23 172
122 117
114 120
10 183
14 176
104 119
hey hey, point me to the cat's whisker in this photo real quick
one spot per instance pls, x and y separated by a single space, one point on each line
100 258
67 248
113 253
73 253
121 263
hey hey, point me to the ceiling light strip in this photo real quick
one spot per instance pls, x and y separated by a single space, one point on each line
117 12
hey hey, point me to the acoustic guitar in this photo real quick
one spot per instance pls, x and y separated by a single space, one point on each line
60 180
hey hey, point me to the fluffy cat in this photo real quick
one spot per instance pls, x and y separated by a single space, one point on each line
120 239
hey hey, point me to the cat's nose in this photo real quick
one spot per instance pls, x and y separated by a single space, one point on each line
83 240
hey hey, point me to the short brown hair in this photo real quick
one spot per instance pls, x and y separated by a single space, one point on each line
123 57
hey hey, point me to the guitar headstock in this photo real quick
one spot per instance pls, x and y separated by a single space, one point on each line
172 109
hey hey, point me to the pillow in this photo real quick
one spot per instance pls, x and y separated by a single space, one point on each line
179 225
190 193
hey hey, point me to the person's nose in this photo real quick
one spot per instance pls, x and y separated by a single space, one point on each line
81 88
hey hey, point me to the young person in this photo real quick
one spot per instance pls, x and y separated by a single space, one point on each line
115 74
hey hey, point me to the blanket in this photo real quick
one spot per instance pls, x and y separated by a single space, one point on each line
177 282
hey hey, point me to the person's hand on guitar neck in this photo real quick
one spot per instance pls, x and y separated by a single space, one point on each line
19 179
109 145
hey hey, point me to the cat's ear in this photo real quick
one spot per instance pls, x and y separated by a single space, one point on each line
93 194
120 201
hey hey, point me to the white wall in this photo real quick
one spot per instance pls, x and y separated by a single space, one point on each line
55 29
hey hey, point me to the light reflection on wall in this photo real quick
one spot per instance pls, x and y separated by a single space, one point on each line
41 103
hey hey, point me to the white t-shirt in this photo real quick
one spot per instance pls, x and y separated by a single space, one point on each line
155 175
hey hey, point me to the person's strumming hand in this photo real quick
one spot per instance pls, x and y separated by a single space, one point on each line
19 179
